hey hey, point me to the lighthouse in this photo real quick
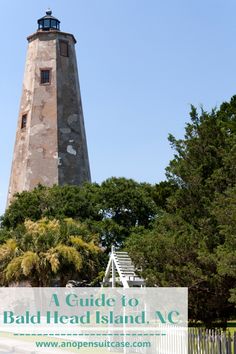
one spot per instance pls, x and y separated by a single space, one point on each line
50 146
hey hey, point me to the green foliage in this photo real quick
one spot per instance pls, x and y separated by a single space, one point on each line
4 235
45 250
174 253
111 210
204 162
166 253
56 202
194 244
58 230
110 233
224 211
127 202
161 192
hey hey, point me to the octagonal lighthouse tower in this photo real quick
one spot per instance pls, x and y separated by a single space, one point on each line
50 146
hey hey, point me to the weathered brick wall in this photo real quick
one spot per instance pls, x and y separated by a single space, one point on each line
52 148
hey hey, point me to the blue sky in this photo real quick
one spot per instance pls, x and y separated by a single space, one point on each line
141 65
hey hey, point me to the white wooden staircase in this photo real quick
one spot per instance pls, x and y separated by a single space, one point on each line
120 271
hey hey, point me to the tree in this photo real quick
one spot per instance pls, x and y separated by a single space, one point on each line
56 202
204 160
194 243
161 192
111 209
127 202
224 210
174 254
47 250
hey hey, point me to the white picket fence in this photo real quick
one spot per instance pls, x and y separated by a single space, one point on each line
212 341
200 341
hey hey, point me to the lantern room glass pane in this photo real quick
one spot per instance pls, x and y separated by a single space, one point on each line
46 23
54 23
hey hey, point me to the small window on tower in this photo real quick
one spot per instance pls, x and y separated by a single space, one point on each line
45 76
23 121
64 48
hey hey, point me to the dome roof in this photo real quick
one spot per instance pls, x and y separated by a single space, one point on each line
48 22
